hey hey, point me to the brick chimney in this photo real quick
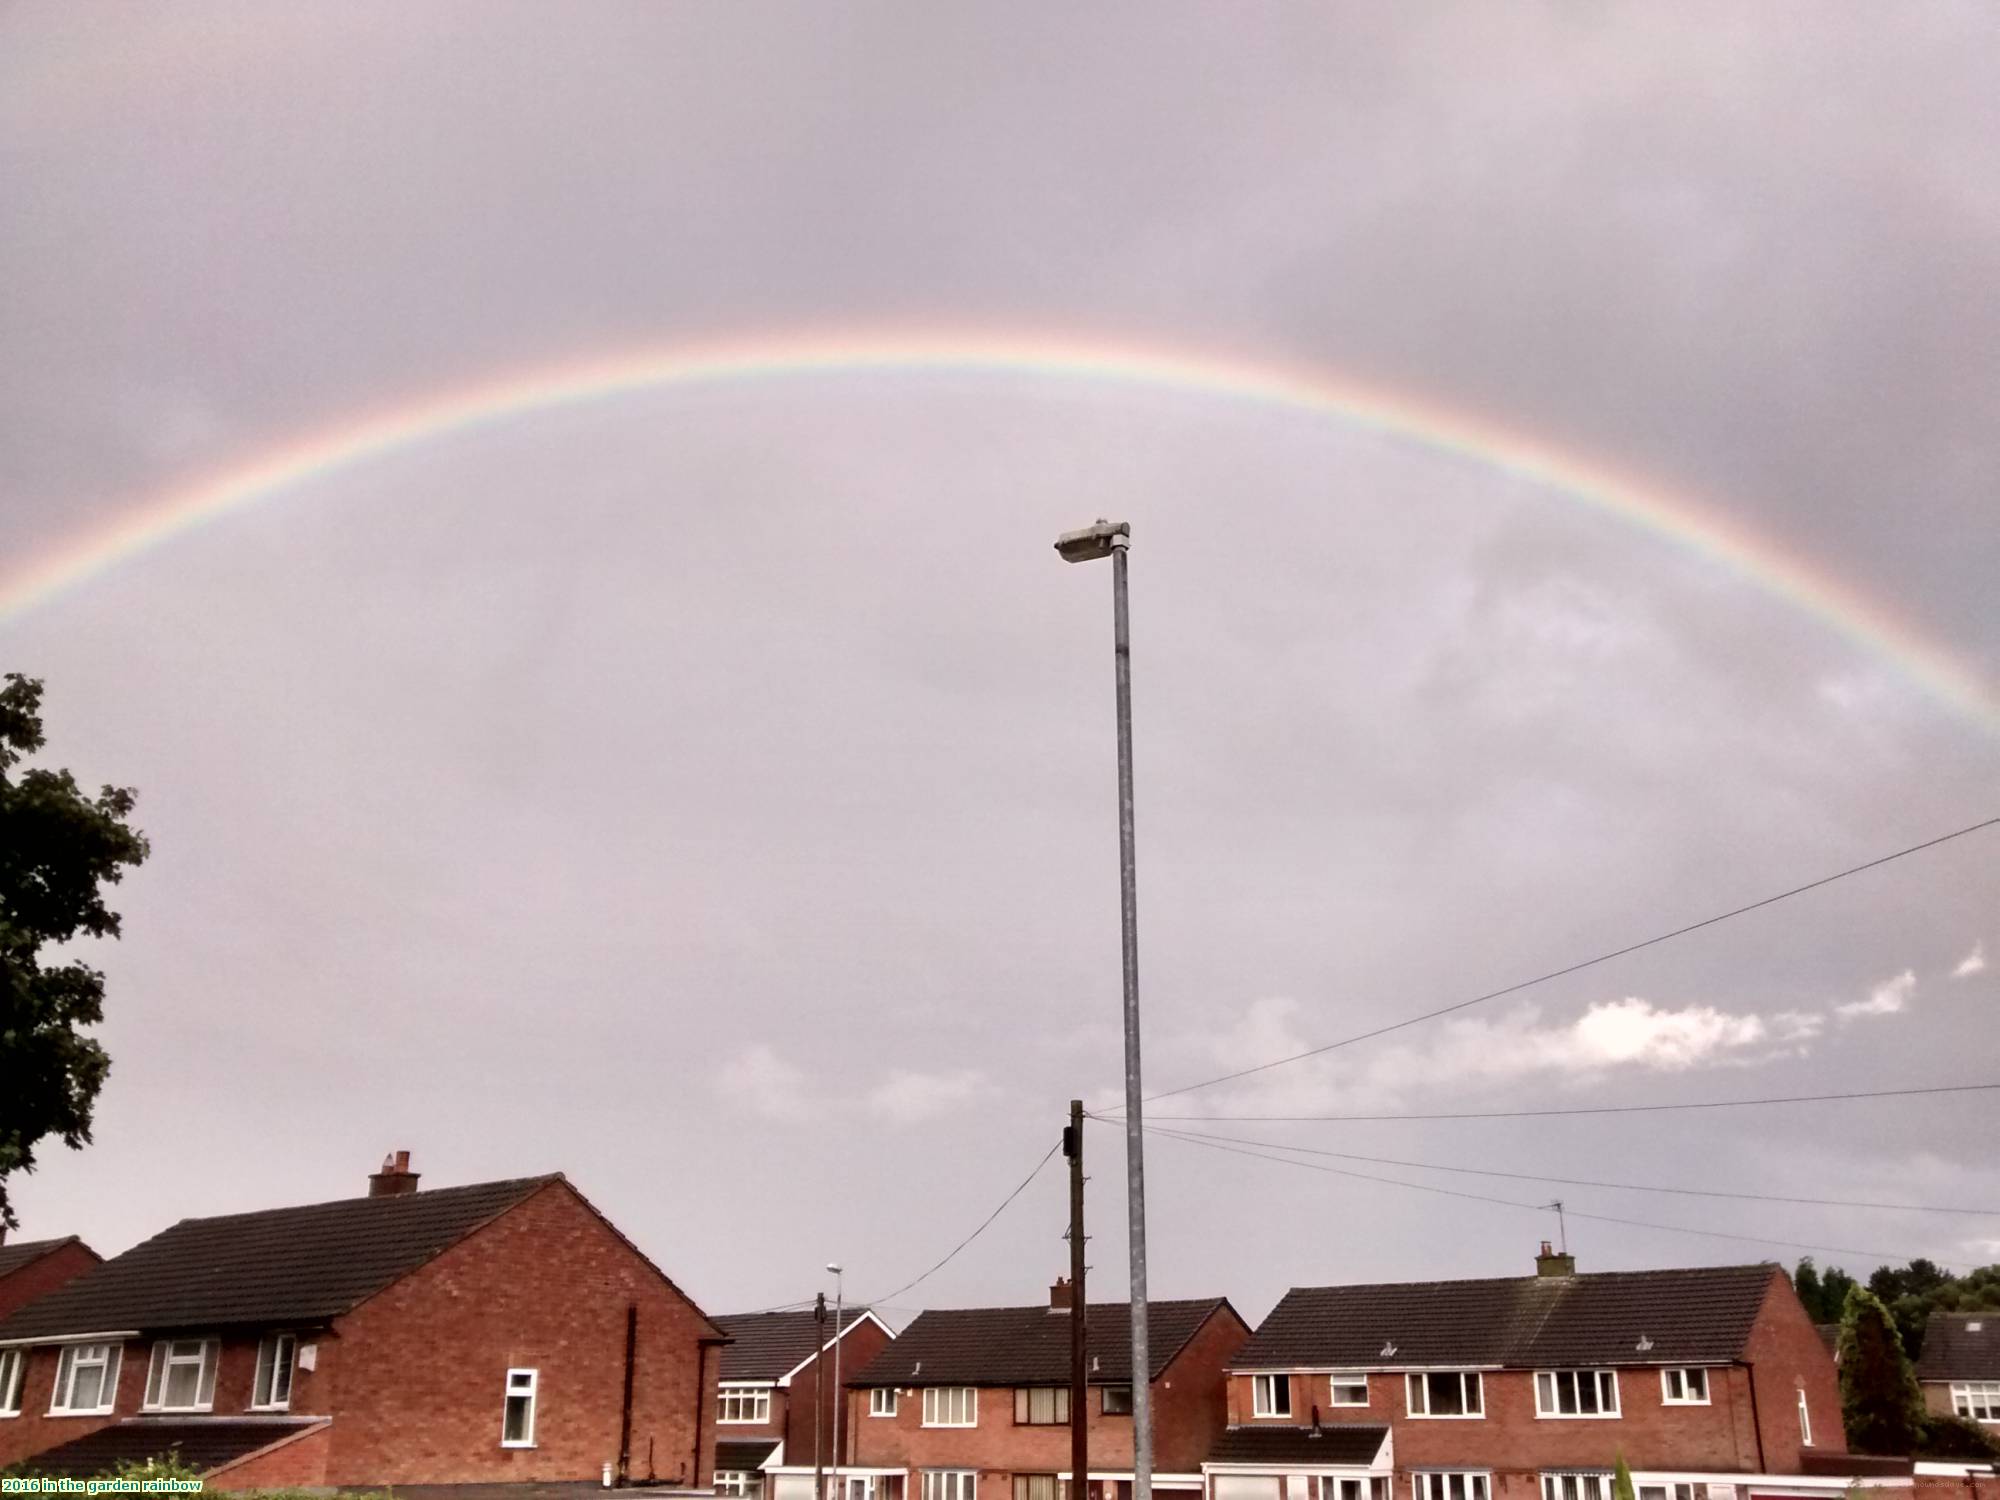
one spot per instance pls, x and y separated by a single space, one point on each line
396 1178
1549 1263
1062 1296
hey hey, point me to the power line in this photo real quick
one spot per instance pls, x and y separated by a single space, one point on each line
1445 1010
906 1286
1425 1187
1627 1187
1595 1109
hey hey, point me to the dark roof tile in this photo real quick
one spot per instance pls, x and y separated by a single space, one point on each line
200 1444
1030 1345
26 1252
1961 1346
745 1454
768 1345
1331 1443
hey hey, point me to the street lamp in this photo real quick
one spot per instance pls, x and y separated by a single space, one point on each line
1112 539
839 1395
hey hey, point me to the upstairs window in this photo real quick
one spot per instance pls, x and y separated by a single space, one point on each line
1445 1393
182 1375
1449 1485
882 1401
743 1403
272 1390
1117 1401
1576 1487
13 1366
951 1406
1684 1387
517 1419
1975 1400
1271 1395
1350 1390
1041 1406
86 1380
1576 1393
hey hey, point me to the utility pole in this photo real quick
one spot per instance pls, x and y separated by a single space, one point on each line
839 1395
1113 539
1079 1313
819 1395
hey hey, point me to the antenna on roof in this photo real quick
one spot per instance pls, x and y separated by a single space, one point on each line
1562 1228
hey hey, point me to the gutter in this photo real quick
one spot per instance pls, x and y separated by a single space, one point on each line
115 1335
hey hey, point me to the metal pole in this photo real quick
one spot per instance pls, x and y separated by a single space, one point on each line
1079 1307
839 1396
819 1396
1135 1147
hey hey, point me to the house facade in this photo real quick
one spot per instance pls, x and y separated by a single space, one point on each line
777 1392
1711 1383
1959 1370
973 1403
33 1268
499 1332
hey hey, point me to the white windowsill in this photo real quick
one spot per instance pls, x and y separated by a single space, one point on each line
95 1411
1447 1416
517 1445
1669 1401
1577 1416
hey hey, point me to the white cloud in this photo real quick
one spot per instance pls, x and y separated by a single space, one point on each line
1887 998
907 1097
1973 963
762 1082
1982 1248
1797 1025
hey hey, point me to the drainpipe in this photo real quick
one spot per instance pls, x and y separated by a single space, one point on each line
700 1390
625 1411
1756 1421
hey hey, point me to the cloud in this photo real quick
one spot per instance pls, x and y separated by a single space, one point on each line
761 1082
907 1097
1797 1025
1973 963
1886 999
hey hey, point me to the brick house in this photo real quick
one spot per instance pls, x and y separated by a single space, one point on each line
973 1403
28 1268
1712 1384
770 1375
1959 1369
500 1332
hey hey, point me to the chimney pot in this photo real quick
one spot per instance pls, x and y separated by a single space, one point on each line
395 1179
1552 1263
1062 1296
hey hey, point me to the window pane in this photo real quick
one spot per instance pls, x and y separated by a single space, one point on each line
1697 1386
517 1419
87 1389
1472 1408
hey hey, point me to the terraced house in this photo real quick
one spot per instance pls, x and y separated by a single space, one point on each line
502 1332
1711 1383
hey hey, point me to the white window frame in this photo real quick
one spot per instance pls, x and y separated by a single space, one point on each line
1666 1489
1687 1376
170 1355
1971 1396
1805 1420
1435 1484
939 1403
13 1380
1600 1384
1581 1486
732 1482
277 1364
1336 1381
950 1484
1264 1391
882 1401
755 1399
110 1358
1470 1381
522 1385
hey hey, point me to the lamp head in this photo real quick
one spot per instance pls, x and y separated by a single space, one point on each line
1093 542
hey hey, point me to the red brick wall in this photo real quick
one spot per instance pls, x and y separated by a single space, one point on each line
863 1342
422 1365
45 1274
295 1462
1787 1355
1184 1419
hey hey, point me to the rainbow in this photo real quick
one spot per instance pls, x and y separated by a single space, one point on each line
1315 393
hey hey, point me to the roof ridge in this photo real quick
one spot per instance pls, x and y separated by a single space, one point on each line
426 1193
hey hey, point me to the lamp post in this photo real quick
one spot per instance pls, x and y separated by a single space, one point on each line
1112 539
839 1395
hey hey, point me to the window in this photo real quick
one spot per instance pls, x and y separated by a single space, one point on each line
1035 1487
950 1484
1576 1487
1448 1486
86 1380
517 1421
1350 1390
1666 1492
950 1406
13 1363
1341 1489
1271 1395
182 1375
1445 1393
273 1389
882 1401
1805 1421
1118 1401
732 1482
1684 1387
1576 1393
741 1403
1041 1406
1975 1400
1378 1487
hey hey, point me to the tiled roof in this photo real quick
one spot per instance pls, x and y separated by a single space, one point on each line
1030 1345
283 1265
1332 1443
27 1252
1701 1314
771 1344
1961 1346
202 1445
745 1454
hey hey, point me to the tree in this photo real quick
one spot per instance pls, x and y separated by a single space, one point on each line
1879 1399
1823 1294
1621 1480
58 849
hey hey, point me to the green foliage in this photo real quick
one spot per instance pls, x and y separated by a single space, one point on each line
1880 1402
1621 1481
58 849
1956 1438
1822 1293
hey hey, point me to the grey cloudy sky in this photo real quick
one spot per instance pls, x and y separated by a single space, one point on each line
708 792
